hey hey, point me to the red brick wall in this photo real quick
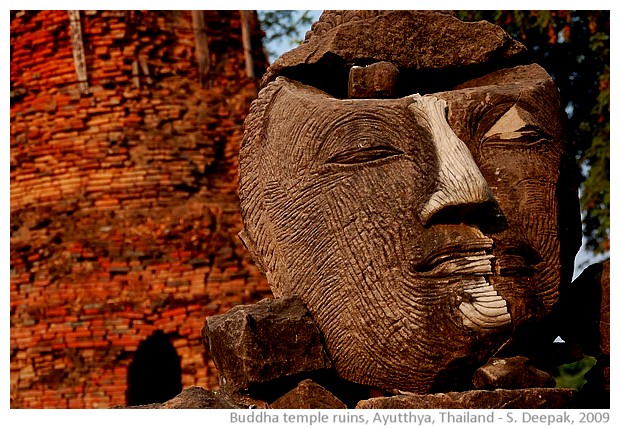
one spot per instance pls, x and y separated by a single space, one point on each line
124 211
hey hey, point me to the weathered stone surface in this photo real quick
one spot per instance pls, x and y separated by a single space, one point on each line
308 394
510 373
342 38
195 397
377 80
482 399
496 140
262 342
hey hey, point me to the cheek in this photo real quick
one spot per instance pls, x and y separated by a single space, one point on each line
536 217
527 199
379 206
537 213
525 190
346 230
373 219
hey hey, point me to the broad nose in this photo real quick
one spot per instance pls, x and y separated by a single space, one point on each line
459 180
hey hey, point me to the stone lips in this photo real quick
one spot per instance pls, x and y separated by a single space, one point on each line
486 309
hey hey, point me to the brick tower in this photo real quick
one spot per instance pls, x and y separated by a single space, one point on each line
125 128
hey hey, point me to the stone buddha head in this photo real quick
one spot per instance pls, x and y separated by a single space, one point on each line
424 218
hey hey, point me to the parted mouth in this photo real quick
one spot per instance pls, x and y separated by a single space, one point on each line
469 258
481 307
516 259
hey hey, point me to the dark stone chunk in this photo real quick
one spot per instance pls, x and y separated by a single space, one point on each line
480 399
258 343
511 373
194 397
399 37
377 80
308 394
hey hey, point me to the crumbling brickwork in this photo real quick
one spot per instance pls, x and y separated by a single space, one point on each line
124 211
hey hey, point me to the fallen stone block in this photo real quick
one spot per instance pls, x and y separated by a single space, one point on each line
537 398
194 397
510 373
308 395
377 80
273 338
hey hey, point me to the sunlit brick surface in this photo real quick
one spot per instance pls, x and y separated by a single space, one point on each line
124 210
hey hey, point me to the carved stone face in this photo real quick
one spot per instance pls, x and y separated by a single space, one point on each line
419 231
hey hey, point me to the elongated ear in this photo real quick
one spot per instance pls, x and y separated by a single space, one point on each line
251 246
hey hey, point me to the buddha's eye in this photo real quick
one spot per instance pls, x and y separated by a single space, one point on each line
517 126
526 135
360 155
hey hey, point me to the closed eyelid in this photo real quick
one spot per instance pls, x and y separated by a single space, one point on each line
366 135
515 126
360 155
525 134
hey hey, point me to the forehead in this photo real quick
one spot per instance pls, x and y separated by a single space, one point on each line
306 123
302 124
482 102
